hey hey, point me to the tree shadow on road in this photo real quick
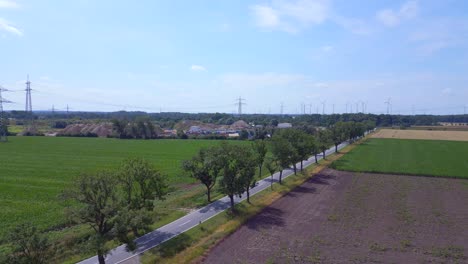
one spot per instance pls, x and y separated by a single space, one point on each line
217 205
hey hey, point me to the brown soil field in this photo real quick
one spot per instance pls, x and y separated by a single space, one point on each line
344 217
422 134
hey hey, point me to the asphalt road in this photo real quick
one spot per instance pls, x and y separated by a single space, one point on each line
171 230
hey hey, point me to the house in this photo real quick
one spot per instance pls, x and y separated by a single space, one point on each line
284 125
169 132
194 130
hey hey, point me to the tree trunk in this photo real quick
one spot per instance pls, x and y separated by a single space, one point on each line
248 194
271 183
281 174
316 160
260 171
324 154
135 231
101 258
231 197
302 165
295 168
208 193
336 148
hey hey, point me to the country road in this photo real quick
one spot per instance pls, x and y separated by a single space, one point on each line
179 226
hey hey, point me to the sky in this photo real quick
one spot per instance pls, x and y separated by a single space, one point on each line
330 56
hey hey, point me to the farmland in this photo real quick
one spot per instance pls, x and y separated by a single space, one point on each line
402 156
347 217
34 171
422 134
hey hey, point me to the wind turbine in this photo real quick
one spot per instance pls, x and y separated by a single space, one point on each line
388 103
323 106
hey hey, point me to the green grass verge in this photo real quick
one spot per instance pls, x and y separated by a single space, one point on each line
410 157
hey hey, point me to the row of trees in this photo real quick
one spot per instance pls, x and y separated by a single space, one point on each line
235 165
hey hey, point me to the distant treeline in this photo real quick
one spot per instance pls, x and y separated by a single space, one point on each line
168 120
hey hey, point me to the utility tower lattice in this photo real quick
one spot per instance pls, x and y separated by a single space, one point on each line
31 128
3 120
240 103
28 96
282 108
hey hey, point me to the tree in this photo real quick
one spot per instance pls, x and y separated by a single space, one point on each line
314 148
338 134
297 140
324 141
29 245
98 205
283 152
120 126
247 164
272 166
142 184
244 134
260 150
304 145
233 181
205 166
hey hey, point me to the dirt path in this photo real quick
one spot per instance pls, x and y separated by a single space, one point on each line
341 217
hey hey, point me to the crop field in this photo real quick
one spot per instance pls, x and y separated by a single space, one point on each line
422 134
402 156
35 170
348 217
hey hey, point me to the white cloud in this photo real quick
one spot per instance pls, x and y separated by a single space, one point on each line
197 68
388 17
264 80
306 11
290 16
265 16
8 27
327 48
391 18
409 9
353 25
435 35
8 4
447 91
321 85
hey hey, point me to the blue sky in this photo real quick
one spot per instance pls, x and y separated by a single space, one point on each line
199 56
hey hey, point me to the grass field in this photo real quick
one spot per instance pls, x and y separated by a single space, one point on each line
35 170
414 157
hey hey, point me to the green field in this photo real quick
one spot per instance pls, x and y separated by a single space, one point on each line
413 157
35 170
